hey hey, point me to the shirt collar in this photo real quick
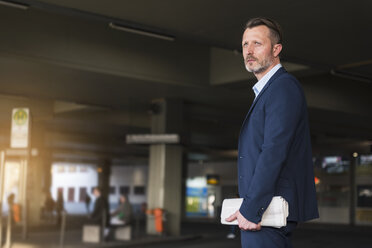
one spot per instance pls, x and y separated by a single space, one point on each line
262 82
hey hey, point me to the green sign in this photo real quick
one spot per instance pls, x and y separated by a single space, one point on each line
20 117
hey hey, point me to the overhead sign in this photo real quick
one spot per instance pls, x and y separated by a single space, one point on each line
213 179
153 139
20 131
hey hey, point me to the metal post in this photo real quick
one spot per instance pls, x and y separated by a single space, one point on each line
352 185
63 227
103 225
2 169
9 230
24 209
137 226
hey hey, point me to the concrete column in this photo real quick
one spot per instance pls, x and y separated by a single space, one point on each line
38 176
47 162
35 200
165 167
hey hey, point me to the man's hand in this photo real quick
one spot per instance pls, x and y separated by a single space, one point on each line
244 224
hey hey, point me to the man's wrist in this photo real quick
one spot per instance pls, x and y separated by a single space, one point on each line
245 212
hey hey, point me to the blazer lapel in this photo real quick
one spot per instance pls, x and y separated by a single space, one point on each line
279 72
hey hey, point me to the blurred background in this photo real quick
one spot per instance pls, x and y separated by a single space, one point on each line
146 99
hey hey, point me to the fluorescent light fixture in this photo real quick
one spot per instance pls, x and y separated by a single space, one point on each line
14 4
141 32
16 152
351 75
152 139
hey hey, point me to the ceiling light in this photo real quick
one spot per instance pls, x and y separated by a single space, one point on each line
351 75
141 32
152 138
14 4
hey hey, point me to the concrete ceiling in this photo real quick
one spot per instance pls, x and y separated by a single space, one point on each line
324 34
64 51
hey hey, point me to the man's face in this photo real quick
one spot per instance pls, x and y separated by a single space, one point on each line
96 193
258 52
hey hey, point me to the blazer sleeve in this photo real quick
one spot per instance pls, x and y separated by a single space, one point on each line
282 111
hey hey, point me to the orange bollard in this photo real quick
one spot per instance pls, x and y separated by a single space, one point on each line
158 214
16 213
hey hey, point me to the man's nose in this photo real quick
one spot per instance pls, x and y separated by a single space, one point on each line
249 50
249 53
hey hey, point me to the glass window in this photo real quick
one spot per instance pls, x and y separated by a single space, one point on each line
124 190
82 194
364 196
60 169
112 190
364 167
335 164
364 189
139 190
333 188
71 194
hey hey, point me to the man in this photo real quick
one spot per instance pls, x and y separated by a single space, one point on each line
274 157
100 209
122 215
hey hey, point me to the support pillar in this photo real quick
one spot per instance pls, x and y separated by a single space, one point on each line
38 172
34 195
165 167
353 193
104 172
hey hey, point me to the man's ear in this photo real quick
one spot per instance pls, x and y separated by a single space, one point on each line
277 49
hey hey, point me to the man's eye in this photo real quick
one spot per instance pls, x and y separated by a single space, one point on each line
257 43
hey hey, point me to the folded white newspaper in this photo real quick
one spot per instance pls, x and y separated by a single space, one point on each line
275 215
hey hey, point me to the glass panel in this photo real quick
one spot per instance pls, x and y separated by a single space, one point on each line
112 190
363 213
71 195
139 190
196 197
82 194
124 190
333 189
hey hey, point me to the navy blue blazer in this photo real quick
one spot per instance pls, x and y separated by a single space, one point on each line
274 157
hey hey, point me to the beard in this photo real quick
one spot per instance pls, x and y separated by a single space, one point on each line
261 65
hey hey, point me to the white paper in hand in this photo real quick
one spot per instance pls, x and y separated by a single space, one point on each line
229 207
275 215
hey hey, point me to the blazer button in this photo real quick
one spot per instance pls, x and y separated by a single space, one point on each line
260 212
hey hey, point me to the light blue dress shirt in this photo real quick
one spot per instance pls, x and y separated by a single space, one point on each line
262 82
